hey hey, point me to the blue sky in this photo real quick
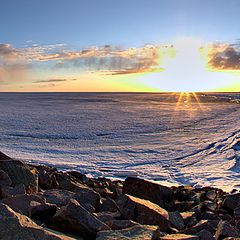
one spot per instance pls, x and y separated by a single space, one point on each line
81 23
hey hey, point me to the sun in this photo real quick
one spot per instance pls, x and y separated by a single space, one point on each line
187 70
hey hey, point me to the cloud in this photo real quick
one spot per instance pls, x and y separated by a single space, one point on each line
55 80
226 57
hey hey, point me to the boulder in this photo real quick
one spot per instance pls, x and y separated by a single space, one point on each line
179 237
208 225
21 203
7 191
143 212
225 229
20 173
156 193
137 232
74 218
236 213
14 226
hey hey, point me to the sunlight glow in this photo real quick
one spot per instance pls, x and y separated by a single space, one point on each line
188 70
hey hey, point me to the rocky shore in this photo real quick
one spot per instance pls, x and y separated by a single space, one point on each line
41 202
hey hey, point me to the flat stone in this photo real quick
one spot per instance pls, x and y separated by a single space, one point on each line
143 211
152 191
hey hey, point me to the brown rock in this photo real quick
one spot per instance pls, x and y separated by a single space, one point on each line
21 203
137 232
148 190
184 206
179 237
73 218
14 226
225 229
143 211
207 225
20 173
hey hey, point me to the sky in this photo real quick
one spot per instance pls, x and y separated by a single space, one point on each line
137 45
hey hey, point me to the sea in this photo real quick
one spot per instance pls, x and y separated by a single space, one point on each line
174 138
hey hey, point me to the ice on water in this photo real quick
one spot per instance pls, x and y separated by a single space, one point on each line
154 136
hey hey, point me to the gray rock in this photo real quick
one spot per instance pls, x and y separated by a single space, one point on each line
108 205
14 226
154 192
74 218
143 211
231 201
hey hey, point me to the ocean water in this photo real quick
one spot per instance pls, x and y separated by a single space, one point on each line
178 139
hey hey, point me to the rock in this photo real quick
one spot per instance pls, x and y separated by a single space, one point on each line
179 237
3 156
225 229
209 216
46 177
209 206
211 195
5 180
205 235
85 194
236 213
7 191
148 190
121 224
104 192
183 206
143 211
42 211
108 205
73 218
231 201
176 220
107 216
207 225
62 197
137 232
80 176
21 203
20 173
14 226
